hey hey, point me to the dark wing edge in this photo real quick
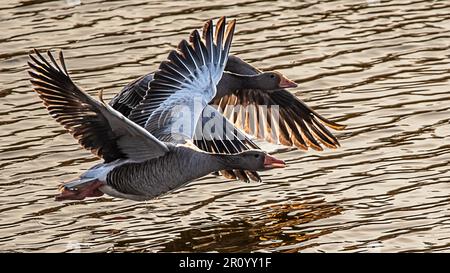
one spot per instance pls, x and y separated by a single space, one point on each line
293 124
96 126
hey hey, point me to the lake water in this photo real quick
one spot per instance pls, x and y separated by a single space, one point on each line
380 67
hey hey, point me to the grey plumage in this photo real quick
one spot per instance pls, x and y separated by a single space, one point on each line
152 178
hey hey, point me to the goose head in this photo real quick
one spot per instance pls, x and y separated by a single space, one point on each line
274 80
254 160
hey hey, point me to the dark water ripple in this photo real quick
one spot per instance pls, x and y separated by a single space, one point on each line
382 68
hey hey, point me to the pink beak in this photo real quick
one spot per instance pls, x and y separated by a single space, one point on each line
271 162
286 83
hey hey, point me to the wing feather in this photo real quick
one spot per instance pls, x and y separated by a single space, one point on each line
97 126
188 78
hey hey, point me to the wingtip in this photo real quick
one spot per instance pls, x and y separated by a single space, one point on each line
31 73
230 28
100 96
222 20
333 125
232 23
339 127
32 53
30 65
193 35
317 148
205 28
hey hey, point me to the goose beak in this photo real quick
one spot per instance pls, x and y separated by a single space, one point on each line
271 162
286 83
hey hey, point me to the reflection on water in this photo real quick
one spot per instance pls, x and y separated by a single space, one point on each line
275 226
380 67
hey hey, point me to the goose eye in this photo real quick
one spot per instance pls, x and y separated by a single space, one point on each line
272 76
256 156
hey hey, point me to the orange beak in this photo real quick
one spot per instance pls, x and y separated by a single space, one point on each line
271 162
286 83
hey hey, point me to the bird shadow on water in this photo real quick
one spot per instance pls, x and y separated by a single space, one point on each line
275 228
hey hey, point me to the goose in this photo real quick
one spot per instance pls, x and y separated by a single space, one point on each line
144 162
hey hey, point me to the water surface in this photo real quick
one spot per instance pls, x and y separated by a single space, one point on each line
380 67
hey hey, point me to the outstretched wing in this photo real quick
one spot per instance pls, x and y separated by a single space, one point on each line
185 84
96 126
276 116
215 134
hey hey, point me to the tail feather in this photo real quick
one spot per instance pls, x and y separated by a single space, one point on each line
79 189
77 183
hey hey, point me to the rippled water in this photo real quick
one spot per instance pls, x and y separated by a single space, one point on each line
380 67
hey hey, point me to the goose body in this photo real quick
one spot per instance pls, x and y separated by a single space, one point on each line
144 157
154 177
